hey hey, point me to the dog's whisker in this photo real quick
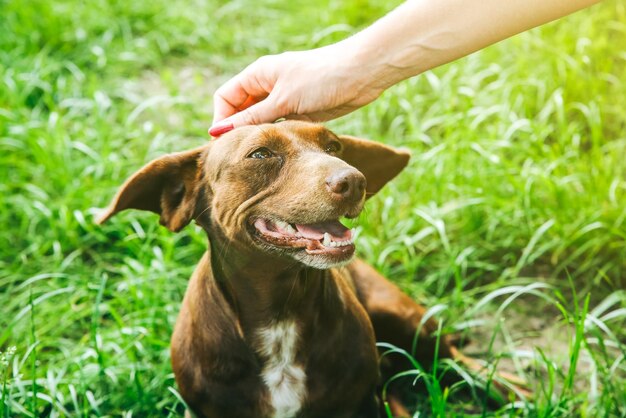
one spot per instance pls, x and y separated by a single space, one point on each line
201 213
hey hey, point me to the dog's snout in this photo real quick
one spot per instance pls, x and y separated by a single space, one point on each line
346 184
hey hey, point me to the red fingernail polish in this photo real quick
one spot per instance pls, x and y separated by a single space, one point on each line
218 129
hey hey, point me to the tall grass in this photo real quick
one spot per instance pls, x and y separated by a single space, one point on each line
510 222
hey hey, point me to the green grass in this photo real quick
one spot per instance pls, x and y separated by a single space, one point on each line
510 222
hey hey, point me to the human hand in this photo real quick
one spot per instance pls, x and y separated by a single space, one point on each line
315 85
325 83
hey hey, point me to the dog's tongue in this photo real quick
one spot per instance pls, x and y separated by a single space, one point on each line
335 229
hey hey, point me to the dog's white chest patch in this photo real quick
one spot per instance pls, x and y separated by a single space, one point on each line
285 380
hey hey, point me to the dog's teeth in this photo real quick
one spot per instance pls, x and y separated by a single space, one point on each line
327 241
281 224
333 244
284 226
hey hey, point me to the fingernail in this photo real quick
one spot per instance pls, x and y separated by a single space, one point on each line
220 129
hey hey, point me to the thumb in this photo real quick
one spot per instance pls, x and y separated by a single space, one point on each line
263 112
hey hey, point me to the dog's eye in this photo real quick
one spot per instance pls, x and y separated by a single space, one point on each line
332 147
261 153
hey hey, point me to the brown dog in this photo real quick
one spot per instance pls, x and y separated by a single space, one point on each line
278 321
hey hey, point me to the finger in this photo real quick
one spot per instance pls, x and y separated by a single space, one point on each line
227 100
249 102
263 112
238 93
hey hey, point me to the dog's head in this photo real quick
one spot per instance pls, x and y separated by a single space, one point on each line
277 189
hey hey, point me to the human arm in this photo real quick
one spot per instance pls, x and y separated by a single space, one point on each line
328 82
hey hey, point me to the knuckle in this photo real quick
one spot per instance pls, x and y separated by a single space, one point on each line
221 91
263 61
287 54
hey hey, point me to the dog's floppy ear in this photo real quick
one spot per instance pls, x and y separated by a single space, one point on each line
166 186
378 162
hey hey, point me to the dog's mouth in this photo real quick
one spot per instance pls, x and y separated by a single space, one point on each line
329 238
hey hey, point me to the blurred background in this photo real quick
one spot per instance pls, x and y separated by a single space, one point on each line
510 222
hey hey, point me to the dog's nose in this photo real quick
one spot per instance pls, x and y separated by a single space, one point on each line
346 184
